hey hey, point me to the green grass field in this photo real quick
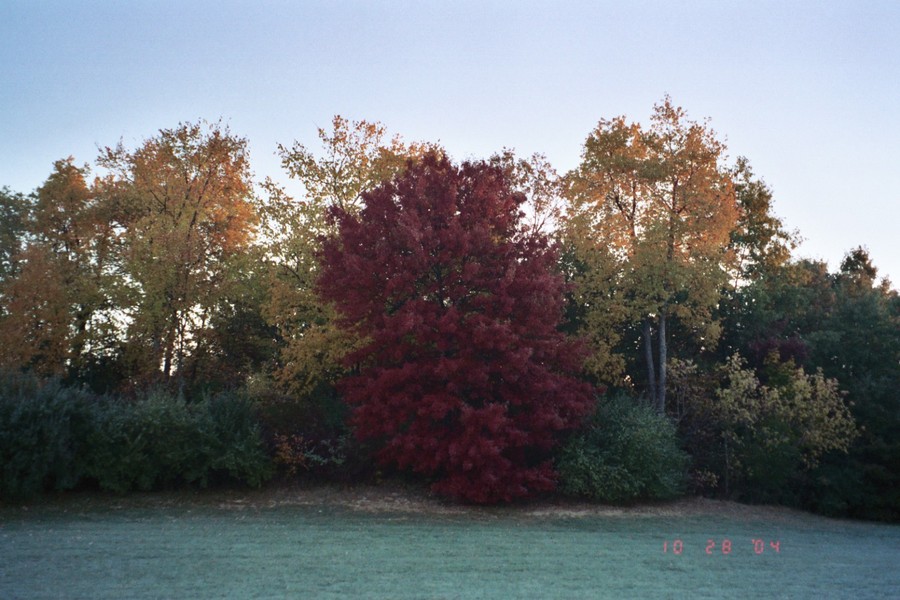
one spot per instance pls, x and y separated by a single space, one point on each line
201 550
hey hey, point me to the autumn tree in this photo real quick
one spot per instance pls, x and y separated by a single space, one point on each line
14 208
57 305
355 156
463 376
35 327
183 203
537 179
651 212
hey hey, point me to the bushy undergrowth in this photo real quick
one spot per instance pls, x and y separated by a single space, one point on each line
308 437
626 454
56 438
43 435
162 441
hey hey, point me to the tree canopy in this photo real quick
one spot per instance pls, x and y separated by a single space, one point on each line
183 201
354 158
462 319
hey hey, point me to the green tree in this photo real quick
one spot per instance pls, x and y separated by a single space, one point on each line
858 342
759 440
847 324
759 241
627 453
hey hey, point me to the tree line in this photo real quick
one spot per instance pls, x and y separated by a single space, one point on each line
495 327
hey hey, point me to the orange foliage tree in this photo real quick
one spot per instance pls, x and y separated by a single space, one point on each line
184 206
55 303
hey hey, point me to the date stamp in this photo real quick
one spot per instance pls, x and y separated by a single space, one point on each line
724 546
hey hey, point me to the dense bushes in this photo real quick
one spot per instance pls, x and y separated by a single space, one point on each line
162 441
55 438
627 453
43 435
757 442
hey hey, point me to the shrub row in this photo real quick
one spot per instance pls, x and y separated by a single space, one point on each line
57 438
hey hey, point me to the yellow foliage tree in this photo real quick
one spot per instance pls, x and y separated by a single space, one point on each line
184 204
355 157
650 214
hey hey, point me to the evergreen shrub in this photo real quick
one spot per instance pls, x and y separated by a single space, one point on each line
627 453
54 438
162 441
43 430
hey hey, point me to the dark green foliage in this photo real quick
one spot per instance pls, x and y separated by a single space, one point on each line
627 453
858 342
235 442
43 428
140 445
55 438
847 324
162 441
770 473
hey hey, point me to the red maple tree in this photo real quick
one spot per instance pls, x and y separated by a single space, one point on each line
464 376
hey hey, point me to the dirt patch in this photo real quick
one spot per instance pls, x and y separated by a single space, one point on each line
394 498
402 498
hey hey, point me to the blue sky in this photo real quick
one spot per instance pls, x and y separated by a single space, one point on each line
808 91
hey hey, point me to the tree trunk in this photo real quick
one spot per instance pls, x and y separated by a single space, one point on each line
648 355
169 349
82 317
663 351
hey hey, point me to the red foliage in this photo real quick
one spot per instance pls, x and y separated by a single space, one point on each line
464 376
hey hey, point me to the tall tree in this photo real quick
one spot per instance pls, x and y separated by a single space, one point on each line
35 328
14 208
55 301
539 182
847 324
463 375
759 240
858 342
355 156
653 210
184 200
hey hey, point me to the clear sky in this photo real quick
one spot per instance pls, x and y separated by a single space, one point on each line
809 91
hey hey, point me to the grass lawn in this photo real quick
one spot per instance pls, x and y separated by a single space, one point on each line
234 546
